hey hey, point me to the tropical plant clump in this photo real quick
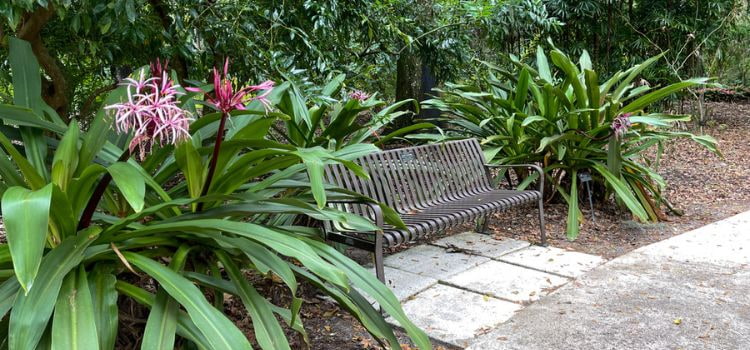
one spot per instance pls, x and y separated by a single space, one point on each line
577 126
210 197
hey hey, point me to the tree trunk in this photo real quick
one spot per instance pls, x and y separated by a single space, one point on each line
408 84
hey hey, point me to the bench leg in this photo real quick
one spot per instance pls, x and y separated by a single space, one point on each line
542 232
379 269
485 224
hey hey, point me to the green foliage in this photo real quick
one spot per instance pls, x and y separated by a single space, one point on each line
66 282
565 119
321 120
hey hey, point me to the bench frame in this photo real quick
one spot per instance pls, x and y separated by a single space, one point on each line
374 212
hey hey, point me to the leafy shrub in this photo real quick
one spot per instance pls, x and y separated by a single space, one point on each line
565 119
325 121
70 256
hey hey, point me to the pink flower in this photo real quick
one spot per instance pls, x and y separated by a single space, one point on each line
151 112
621 125
359 95
225 99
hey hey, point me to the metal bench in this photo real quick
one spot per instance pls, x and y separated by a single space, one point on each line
432 187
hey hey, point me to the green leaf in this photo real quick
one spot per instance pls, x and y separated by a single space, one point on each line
403 131
8 292
623 192
191 164
573 218
99 129
27 92
32 311
314 164
219 331
30 173
161 325
130 10
73 326
82 187
522 89
66 158
104 298
657 95
334 86
185 327
27 84
267 329
130 182
276 240
366 281
543 65
24 116
26 217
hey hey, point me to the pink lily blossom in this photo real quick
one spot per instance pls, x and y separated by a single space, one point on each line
151 112
359 95
620 125
225 99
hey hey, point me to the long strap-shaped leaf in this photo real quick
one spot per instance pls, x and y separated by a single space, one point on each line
268 332
26 217
32 311
161 325
219 331
185 326
366 281
275 240
8 291
73 326
104 297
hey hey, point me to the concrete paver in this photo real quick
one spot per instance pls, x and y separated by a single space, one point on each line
482 245
456 316
506 281
554 260
432 261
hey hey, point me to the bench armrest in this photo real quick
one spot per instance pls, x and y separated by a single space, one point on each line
535 167
377 212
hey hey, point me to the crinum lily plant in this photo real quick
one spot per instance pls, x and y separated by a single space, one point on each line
170 206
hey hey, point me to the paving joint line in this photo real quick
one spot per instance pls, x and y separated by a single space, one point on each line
475 253
489 295
540 270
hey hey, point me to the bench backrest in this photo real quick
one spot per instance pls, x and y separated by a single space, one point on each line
408 179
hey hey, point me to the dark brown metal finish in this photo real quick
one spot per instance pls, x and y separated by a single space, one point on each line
433 188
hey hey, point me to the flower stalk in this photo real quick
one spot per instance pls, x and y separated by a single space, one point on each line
96 196
214 158
225 99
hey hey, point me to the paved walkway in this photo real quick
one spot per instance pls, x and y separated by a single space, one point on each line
463 286
691 291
